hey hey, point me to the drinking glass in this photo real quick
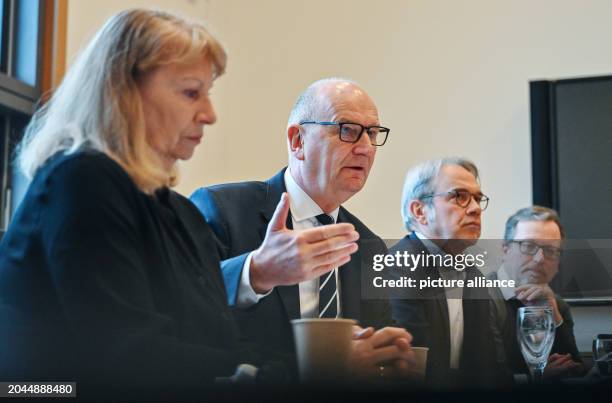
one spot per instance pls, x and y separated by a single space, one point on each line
535 328
602 345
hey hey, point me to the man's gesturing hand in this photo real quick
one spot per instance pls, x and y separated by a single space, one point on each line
289 257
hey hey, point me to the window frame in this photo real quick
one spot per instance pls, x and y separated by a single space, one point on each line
18 99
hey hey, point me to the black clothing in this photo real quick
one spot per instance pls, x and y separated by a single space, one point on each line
424 312
100 279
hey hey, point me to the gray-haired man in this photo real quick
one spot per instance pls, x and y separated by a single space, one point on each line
441 205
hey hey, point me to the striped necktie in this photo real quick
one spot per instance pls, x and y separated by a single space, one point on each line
328 290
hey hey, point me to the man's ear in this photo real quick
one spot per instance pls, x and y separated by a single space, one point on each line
505 247
296 141
417 209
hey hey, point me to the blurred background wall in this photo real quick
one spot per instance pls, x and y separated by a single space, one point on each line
449 78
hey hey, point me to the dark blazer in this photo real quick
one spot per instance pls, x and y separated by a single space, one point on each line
425 314
503 322
239 214
101 281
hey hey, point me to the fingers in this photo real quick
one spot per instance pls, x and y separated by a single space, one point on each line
554 357
334 257
359 333
529 293
402 344
561 367
279 219
321 256
533 294
331 244
522 295
559 363
324 263
562 359
523 288
387 335
405 368
520 291
527 288
568 364
389 361
326 232
406 353
389 354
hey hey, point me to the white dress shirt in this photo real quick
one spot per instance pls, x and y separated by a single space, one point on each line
303 216
454 302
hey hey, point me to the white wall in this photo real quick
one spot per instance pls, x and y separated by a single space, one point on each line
449 77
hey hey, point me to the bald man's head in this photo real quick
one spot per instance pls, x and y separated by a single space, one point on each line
329 169
315 102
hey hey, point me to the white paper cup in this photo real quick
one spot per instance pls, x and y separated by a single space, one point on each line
323 348
420 368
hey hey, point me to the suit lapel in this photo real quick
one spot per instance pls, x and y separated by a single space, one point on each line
350 279
440 305
289 295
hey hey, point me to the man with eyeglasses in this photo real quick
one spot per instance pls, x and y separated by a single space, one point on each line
441 206
290 250
531 251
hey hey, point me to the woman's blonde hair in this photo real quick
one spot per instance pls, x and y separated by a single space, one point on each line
98 104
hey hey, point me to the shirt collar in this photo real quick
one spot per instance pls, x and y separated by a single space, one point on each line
507 292
301 205
429 244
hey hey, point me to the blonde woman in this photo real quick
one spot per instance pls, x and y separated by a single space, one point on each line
105 270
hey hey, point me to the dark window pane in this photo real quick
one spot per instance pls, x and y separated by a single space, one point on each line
4 34
2 24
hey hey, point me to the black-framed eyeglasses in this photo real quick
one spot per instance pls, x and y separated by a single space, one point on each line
463 198
531 248
351 132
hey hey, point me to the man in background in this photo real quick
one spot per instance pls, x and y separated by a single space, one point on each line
441 206
531 251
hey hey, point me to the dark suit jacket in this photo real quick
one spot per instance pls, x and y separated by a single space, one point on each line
239 214
425 314
503 322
